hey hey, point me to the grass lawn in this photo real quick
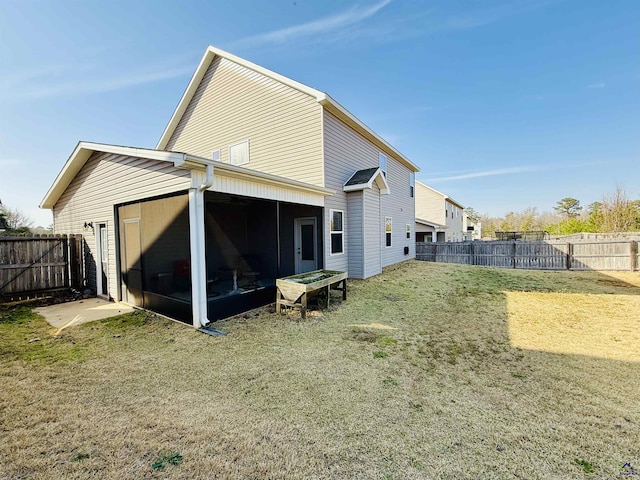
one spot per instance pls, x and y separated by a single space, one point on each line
427 371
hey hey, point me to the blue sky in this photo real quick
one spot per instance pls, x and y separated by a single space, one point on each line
504 104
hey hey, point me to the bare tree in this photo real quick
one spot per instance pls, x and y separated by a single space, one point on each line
617 213
16 221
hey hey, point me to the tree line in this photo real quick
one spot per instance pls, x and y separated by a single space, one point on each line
614 213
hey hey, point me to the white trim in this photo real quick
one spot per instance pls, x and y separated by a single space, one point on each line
430 224
378 178
198 256
98 240
297 239
385 232
81 154
342 232
412 185
84 150
382 158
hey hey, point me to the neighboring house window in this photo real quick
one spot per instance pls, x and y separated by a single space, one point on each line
383 163
337 231
408 230
412 184
387 230
215 155
239 153
446 212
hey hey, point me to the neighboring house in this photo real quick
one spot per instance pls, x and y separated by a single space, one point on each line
439 218
255 177
429 231
472 228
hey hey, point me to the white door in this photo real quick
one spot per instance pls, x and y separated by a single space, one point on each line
305 244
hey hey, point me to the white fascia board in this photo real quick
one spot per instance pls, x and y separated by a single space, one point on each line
81 154
378 177
430 224
350 119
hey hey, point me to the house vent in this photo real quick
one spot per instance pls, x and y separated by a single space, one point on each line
215 155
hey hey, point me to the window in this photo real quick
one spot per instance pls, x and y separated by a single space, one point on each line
215 155
239 153
337 231
383 163
408 230
387 230
412 184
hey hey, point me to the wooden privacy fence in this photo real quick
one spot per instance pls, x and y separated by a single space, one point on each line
549 255
30 266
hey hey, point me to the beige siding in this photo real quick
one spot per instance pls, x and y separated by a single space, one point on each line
430 206
345 152
104 181
234 103
434 207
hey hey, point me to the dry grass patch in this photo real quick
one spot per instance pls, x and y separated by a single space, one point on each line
442 391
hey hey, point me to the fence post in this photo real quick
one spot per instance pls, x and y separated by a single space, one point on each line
513 253
75 261
472 254
633 252
569 255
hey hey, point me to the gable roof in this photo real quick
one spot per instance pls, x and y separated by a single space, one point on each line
365 179
84 150
444 196
322 98
430 224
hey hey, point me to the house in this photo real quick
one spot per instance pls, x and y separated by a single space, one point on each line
472 227
439 218
255 177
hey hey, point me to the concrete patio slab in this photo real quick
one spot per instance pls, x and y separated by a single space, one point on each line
64 315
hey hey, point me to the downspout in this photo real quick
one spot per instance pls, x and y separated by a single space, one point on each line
197 244
208 178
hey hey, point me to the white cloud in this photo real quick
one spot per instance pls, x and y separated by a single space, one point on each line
490 173
484 16
85 78
510 171
313 29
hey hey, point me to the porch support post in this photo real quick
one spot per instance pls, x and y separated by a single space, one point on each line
198 258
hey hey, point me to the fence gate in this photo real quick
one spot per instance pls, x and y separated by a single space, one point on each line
32 266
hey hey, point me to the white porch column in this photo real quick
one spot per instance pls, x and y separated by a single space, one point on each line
197 243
